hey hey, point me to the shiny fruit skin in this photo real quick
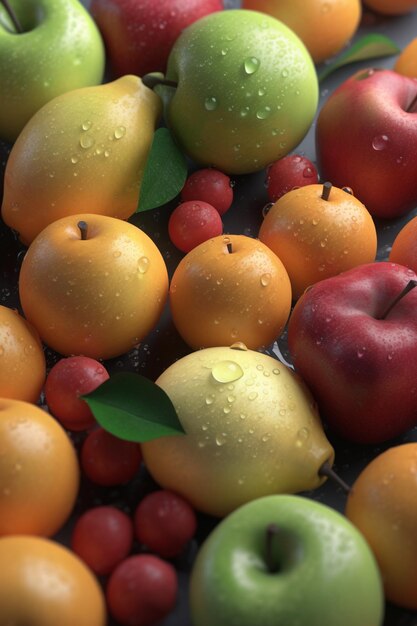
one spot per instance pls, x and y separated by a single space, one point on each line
95 165
242 295
209 185
317 238
193 222
39 473
99 296
251 426
391 7
383 506
291 171
406 62
42 583
22 360
67 380
404 246
324 27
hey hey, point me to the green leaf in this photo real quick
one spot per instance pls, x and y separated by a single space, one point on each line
132 407
370 46
165 172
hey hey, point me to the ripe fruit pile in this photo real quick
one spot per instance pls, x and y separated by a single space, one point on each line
264 318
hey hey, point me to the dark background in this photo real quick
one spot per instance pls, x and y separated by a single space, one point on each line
163 346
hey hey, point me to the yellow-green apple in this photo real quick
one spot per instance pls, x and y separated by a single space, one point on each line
93 285
139 34
84 151
383 506
365 138
353 339
59 49
251 429
246 90
286 559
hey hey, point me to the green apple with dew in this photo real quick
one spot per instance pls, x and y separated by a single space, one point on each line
251 429
246 90
59 49
286 560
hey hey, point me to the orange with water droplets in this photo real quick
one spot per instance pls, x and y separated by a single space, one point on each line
319 231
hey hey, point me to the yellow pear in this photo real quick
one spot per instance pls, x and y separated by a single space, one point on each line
83 152
251 429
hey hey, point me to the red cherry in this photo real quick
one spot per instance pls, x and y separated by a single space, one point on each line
69 379
209 185
142 590
164 522
192 223
291 171
107 460
102 538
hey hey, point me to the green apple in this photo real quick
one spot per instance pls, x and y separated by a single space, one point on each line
60 49
246 93
286 560
252 429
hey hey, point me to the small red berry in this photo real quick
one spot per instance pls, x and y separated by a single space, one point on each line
209 185
107 460
192 223
291 171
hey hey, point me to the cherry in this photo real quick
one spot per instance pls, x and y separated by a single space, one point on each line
142 590
67 380
164 522
102 537
107 460
192 223
209 185
291 171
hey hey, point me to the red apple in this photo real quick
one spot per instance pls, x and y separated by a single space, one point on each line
357 354
366 137
139 34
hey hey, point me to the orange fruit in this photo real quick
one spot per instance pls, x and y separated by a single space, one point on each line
404 246
317 238
42 583
324 26
22 360
228 289
391 7
98 296
406 63
383 506
39 473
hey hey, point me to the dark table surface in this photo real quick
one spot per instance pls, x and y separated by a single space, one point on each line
164 345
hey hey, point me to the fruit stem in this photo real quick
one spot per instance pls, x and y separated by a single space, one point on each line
409 286
12 15
272 530
229 247
83 226
152 81
326 190
327 470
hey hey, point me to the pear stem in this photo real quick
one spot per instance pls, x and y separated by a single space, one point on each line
229 247
409 286
326 190
11 13
83 226
327 470
152 81
272 531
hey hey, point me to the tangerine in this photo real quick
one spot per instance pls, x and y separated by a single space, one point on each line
406 63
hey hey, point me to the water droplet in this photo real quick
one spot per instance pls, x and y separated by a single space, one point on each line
226 371
284 73
262 114
210 399
251 65
221 439
265 279
86 125
308 172
253 395
302 436
360 353
380 142
239 345
244 112
210 103
224 51
143 264
107 153
117 254
74 159
261 91
119 132
86 142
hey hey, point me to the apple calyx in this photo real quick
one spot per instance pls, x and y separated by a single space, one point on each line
83 226
326 190
11 13
272 530
327 471
152 80
409 286
412 107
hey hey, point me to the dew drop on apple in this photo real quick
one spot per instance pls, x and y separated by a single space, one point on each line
265 279
86 142
143 264
380 142
251 65
120 132
211 103
221 439
226 371
86 125
263 113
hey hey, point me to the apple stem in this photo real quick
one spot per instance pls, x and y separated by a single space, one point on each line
152 81
409 286
327 470
12 15
272 531
229 247
326 190
83 226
